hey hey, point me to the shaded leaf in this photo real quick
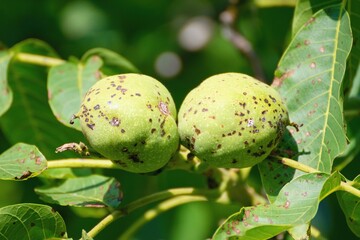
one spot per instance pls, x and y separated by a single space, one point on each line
350 205
315 60
114 63
63 173
5 92
274 175
353 7
89 191
31 221
353 133
296 204
67 86
20 162
30 118
305 9
331 184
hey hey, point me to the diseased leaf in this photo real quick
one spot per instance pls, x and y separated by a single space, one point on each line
309 78
350 205
296 204
20 162
89 191
30 118
305 9
31 221
5 92
67 85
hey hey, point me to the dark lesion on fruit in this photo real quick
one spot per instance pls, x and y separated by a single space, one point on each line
259 153
121 163
115 122
124 149
163 107
189 143
91 125
73 117
135 158
197 131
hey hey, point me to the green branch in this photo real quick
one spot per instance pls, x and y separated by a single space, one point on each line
160 208
150 199
39 59
82 163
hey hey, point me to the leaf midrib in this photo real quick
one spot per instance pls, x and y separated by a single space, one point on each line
336 39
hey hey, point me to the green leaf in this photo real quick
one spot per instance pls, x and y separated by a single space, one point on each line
113 62
6 95
67 86
20 162
296 204
85 236
350 205
274 175
353 7
69 82
31 221
30 118
300 232
331 185
309 78
89 191
305 9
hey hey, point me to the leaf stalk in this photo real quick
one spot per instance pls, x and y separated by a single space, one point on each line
39 59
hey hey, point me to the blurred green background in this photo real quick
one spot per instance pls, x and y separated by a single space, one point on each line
179 42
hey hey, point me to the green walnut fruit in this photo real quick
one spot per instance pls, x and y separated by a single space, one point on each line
131 120
232 120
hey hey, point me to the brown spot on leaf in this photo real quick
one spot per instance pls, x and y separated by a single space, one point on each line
24 175
277 82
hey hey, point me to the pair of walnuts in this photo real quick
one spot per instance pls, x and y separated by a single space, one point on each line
230 120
